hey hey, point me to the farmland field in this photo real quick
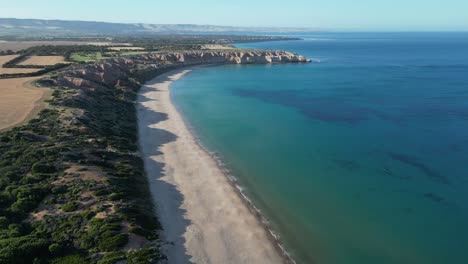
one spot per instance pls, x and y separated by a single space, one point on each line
21 45
126 48
17 70
20 100
6 58
217 47
42 60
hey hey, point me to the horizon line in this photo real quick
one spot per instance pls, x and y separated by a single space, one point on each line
303 28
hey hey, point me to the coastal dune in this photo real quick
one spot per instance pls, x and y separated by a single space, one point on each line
204 219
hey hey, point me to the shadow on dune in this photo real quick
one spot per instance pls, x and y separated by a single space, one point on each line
168 199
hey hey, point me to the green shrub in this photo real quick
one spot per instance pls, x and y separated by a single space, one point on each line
70 207
3 222
88 214
27 197
115 196
143 256
137 231
113 243
101 192
112 258
71 259
55 249
43 168
22 250
15 230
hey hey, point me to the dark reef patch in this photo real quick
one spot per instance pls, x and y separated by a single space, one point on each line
414 162
434 197
349 165
323 109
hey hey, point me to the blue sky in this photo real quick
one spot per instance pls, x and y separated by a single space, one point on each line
366 15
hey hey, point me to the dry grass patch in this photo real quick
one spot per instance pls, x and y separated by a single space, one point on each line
107 44
42 60
20 100
86 173
17 70
217 47
7 58
126 48
134 241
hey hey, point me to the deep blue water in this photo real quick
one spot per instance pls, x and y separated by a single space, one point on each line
359 158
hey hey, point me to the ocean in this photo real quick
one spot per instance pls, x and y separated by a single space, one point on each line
360 157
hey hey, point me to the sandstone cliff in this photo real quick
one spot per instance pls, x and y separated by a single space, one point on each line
108 72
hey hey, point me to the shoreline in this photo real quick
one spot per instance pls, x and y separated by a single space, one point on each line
244 237
273 236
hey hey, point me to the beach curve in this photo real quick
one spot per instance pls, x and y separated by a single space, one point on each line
204 218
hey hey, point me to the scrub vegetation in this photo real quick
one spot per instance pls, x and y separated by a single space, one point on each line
72 188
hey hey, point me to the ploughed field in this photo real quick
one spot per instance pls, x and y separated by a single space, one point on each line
43 60
126 48
19 100
17 70
7 58
22 45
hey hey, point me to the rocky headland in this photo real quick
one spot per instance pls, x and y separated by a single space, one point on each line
109 71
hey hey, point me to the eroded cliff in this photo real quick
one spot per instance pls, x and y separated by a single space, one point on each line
108 72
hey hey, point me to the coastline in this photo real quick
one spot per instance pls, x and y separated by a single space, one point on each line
205 220
238 188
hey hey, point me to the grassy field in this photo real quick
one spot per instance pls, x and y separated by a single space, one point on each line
127 53
19 101
95 56
86 56
42 60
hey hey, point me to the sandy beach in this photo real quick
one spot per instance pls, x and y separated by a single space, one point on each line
203 217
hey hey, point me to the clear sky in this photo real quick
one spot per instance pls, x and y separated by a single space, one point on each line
393 15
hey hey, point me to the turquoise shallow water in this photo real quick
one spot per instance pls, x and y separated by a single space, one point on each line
361 158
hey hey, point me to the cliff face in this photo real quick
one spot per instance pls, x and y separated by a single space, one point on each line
108 72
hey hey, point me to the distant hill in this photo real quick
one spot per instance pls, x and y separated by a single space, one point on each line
13 26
